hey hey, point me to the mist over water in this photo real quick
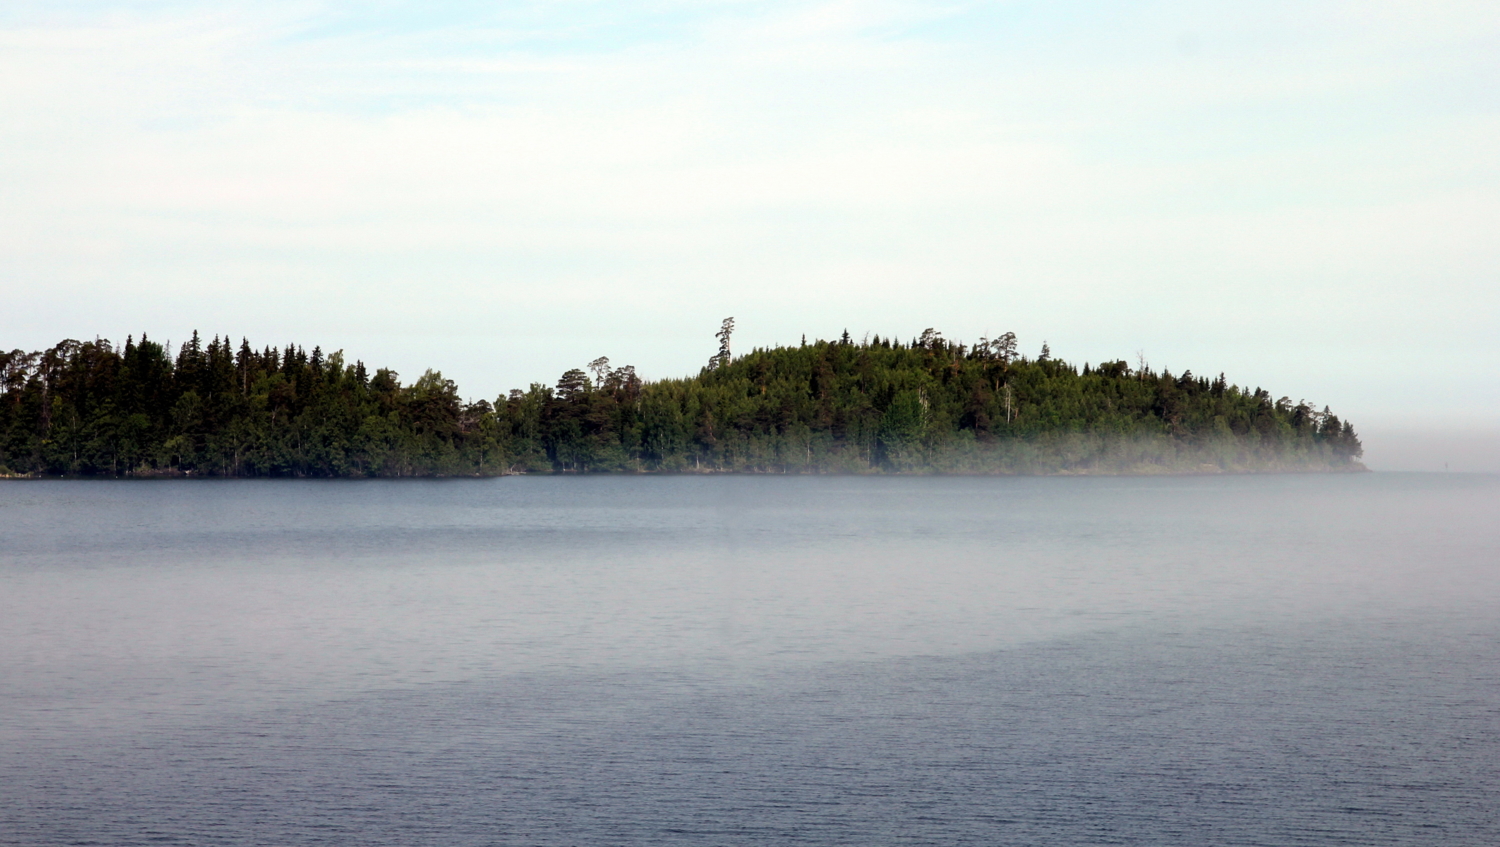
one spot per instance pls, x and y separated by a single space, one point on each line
823 660
1463 451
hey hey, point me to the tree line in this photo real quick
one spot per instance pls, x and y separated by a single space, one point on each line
829 406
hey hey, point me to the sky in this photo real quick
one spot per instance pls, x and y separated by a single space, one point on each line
1304 196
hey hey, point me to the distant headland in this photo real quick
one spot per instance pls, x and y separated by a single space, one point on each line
877 405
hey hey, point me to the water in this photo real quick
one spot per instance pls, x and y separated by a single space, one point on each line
1272 660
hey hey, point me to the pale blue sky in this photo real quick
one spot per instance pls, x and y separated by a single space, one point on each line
1303 195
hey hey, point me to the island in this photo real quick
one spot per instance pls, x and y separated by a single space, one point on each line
875 405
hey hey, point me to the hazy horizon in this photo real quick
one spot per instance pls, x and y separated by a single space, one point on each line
1301 196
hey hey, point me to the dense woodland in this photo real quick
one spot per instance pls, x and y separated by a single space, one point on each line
845 406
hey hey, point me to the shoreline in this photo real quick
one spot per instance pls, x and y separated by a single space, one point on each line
1161 472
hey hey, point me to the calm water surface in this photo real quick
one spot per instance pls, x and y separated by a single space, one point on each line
1273 660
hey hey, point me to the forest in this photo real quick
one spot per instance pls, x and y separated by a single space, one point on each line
877 405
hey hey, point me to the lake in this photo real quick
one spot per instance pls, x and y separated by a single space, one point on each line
1240 660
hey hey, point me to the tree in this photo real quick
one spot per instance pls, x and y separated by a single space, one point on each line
572 385
600 368
1001 349
723 358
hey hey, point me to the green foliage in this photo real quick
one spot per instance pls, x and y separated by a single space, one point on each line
88 408
827 407
927 405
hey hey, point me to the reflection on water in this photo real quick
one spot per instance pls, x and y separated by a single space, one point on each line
1276 660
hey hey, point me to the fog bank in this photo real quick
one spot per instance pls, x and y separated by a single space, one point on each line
1468 451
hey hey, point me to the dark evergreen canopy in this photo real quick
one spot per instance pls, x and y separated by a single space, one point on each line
928 405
